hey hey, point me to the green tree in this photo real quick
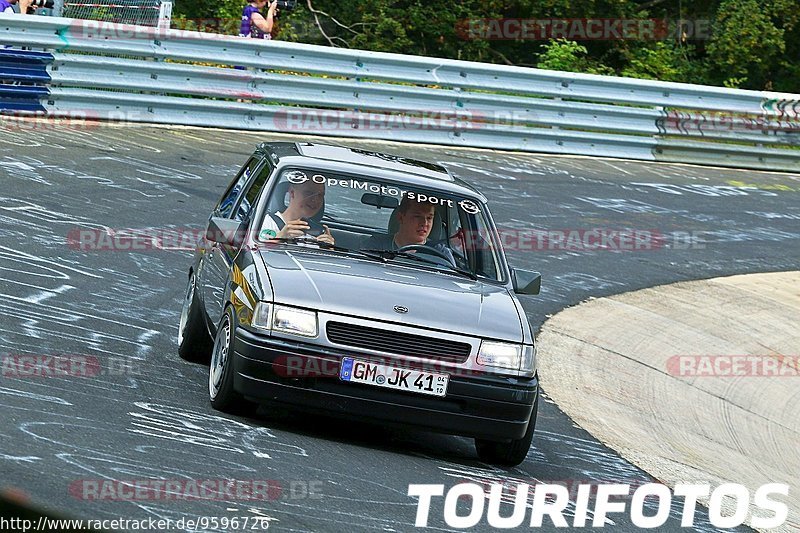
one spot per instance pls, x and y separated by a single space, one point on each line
569 56
786 75
746 44
665 61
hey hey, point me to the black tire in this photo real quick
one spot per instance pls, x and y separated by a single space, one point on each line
220 372
509 453
194 342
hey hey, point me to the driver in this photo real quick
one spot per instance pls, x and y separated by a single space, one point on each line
305 201
415 222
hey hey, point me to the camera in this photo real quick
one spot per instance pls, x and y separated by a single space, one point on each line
287 5
39 4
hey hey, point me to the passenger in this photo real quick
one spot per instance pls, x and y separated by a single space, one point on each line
305 201
415 222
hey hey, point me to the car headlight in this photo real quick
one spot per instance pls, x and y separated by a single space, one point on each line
294 321
507 355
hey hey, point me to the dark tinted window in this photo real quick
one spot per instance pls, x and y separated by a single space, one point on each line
225 207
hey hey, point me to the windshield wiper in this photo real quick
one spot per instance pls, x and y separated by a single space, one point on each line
391 254
374 254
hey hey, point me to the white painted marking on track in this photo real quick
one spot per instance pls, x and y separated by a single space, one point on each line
33 396
20 458
46 294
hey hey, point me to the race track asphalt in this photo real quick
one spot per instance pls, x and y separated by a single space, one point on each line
154 421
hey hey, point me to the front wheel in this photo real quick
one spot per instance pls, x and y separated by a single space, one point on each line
508 453
220 373
194 343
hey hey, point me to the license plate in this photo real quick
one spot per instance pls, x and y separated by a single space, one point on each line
419 381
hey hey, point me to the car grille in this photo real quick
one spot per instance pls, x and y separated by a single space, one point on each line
384 340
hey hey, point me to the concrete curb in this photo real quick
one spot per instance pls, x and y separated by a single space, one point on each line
633 370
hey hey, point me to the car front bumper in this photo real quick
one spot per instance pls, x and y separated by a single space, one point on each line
482 406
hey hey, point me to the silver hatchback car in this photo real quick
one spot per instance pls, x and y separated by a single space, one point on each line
367 286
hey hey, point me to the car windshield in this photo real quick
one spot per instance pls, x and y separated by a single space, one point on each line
383 220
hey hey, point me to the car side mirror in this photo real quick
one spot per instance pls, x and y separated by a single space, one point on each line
526 281
225 231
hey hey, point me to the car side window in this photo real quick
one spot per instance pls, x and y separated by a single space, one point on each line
252 191
455 233
225 207
479 247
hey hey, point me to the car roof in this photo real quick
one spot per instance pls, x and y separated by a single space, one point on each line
414 171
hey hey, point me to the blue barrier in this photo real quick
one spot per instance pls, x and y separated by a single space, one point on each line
22 98
23 80
11 55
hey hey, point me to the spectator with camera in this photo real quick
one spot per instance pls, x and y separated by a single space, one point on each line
254 24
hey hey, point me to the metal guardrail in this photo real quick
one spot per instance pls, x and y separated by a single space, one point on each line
180 77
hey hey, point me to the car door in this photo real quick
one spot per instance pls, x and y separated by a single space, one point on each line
237 204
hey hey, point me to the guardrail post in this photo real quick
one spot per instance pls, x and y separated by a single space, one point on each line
164 15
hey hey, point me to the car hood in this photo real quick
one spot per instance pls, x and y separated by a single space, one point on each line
371 289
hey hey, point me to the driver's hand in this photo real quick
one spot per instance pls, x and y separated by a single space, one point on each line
326 237
293 229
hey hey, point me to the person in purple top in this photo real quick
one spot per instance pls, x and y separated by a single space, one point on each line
254 24
6 6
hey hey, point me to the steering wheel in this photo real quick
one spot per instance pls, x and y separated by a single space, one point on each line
424 249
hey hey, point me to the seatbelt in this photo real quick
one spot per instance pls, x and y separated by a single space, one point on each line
267 234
